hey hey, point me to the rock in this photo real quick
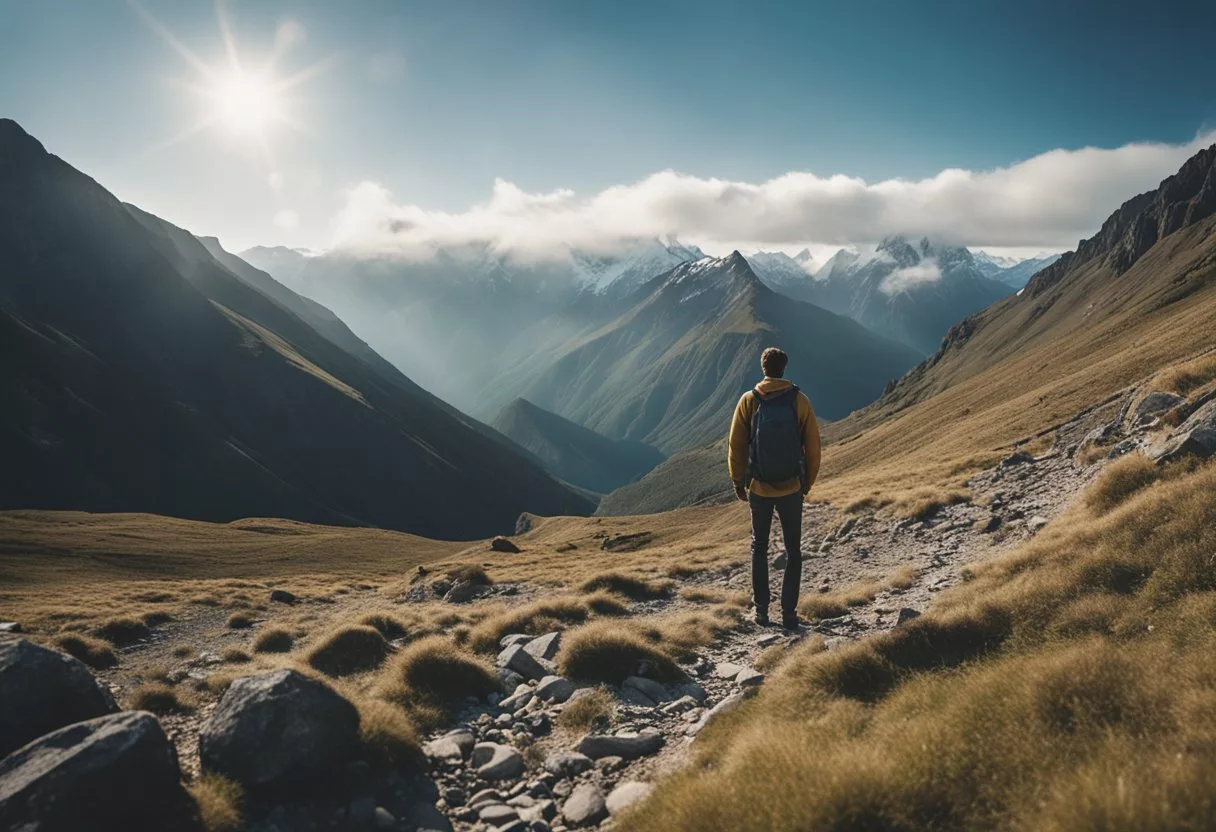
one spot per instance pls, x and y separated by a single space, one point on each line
424 817
728 704
498 814
991 525
462 592
684 703
542 810
585 806
625 795
519 660
1035 523
10 627
485 796
1154 404
625 542
514 638
279 729
282 596
384 818
633 696
509 679
906 614
1196 436
453 746
727 670
749 678
694 690
629 747
117 771
780 561
567 764
544 647
539 724
554 689
497 762
609 763
768 639
524 523
42 690
650 688
501 544
1017 458
361 811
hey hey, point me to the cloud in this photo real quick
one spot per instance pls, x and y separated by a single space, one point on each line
1048 201
289 33
926 271
287 219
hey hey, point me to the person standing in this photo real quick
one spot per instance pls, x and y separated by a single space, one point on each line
773 460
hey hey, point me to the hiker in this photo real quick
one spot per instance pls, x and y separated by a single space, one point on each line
774 445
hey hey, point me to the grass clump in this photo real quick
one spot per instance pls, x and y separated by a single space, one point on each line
538 618
349 650
240 621
123 631
236 655
158 698
219 802
390 741
431 679
633 587
472 573
273 640
683 634
389 626
1121 479
605 603
94 652
608 652
595 711
1188 377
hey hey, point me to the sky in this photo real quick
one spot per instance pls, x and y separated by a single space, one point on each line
394 126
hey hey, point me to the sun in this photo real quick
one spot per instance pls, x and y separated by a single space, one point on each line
245 103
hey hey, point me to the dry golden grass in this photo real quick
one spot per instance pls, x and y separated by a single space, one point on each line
683 634
235 655
389 739
538 617
160 699
473 573
389 626
1068 686
273 640
903 578
610 652
123 631
240 621
431 677
219 802
592 712
633 587
1187 377
349 650
94 652
713 595
605 603
1124 477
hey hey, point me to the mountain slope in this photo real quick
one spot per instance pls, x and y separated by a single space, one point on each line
670 369
579 456
141 374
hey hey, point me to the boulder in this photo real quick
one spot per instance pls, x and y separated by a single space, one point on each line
555 689
728 704
10 627
749 678
502 544
496 762
629 746
727 670
567 764
626 794
544 647
282 596
585 806
117 771
694 690
1153 405
519 660
524 523
42 690
514 638
462 592
1194 437
1036 523
279 729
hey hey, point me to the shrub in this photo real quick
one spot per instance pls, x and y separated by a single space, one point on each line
273 640
94 652
389 626
349 650
608 652
240 621
432 677
219 802
1121 479
123 631
158 698
595 711
631 586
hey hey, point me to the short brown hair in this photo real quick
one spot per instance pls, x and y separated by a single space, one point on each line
773 361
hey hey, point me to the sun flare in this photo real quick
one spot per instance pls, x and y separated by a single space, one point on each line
244 102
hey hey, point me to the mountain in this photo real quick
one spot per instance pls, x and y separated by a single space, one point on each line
911 292
579 456
782 273
140 373
669 370
1011 270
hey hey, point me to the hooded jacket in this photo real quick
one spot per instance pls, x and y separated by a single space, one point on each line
739 443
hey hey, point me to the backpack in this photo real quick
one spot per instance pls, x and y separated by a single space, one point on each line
776 448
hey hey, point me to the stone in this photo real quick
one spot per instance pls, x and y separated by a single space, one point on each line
42 690
694 690
585 806
279 729
523 523
10 627
497 814
625 795
542 810
1017 458
1194 437
567 764
462 592
728 704
453 746
544 647
768 639
630 747
282 596
384 818
539 724
652 689
991 525
509 679
502 544
633 696
780 561
117 771
1035 523
520 699
454 796
493 761
517 659
424 817
749 678
486 796
906 614
555 689
727 670
1154 404
514 638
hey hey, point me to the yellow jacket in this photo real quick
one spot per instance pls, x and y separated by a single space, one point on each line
741 437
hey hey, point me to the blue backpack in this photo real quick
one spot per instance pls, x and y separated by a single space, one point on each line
776 449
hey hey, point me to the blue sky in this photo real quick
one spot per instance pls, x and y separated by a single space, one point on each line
432 102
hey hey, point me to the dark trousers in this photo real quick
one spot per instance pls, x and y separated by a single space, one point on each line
789 512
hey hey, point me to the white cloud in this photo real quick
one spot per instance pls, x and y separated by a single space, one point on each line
287 219
1049 201
926 271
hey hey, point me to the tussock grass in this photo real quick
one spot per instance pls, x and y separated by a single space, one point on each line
160 699
472 573
1121 479
904 578
431 678
389 626
633 587
605 603
683 634
349 650
609 652
122 631
1187 377
219 802
236 655
390 741
1068 686
595 711
240 621
923 503
94 652
538 617
713 595
273 640
183 651
155 618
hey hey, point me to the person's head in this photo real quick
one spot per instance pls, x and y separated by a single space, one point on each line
773 361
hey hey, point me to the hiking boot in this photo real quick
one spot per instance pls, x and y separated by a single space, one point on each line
762 617
791 621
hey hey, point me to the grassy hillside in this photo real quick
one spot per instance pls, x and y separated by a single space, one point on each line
141 374
579 456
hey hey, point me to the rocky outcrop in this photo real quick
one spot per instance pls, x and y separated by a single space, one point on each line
279 729
1194 437
117 771
42 690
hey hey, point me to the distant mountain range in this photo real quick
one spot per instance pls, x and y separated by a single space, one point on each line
144 369
1011 270
579 456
